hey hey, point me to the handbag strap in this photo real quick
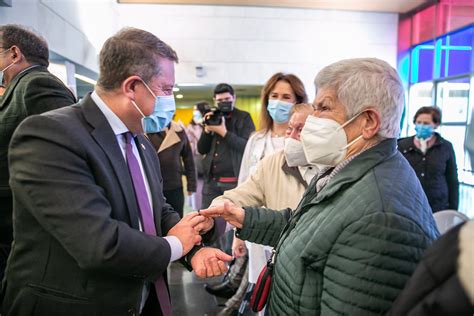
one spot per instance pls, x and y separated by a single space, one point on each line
294 217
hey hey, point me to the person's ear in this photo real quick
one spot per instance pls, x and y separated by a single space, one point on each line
129 86
16 53
371 123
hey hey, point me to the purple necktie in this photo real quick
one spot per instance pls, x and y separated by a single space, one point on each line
147 218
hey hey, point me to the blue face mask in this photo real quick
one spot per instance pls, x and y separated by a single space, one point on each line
423 131
197 117
163 112
279 110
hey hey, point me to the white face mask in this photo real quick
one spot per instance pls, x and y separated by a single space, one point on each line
324 140
294 153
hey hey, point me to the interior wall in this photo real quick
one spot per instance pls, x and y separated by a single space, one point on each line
239 45
63 25
246 45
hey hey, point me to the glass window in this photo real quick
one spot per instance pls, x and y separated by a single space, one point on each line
453 54
453 98
422 60
420 94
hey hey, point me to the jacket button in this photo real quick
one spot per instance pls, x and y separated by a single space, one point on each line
405 151
132 312
216 154
218 142
423 159
422 174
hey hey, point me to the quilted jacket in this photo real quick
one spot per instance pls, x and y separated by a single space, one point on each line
349 249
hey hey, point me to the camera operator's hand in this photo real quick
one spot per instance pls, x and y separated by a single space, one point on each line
220 130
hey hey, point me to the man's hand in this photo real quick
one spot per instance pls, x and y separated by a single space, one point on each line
220 130
229 212
238 247
209 262
206 225
187 231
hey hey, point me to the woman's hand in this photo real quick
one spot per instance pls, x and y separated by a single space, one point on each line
229 212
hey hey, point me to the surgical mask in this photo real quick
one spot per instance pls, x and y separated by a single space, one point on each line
197 117
423 131
279 110
294 153
2 72
225 106
324 140
162 115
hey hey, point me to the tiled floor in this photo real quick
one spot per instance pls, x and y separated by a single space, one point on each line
188 294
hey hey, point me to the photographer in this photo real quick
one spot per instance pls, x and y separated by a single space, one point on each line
226 131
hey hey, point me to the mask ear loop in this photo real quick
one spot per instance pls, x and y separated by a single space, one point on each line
149 89
138 109
347 123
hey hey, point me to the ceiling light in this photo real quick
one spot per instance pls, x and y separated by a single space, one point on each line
190 84
85 79
175 89
179 96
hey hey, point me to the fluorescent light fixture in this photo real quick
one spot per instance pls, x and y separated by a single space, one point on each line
85 79
179 96
190 84
175 89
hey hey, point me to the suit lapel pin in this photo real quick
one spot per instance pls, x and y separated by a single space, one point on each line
143 146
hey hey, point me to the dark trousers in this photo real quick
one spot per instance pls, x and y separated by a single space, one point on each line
175 198
210 191
6 232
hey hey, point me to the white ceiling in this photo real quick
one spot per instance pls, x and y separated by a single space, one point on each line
395 6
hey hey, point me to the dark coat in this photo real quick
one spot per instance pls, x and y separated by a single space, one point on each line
78 249
434 288
33 91
176 158
349 249
436 170
239 128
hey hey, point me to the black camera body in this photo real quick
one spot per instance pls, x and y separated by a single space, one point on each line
215 118
222 109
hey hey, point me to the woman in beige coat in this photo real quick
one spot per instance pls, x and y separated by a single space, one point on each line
278 182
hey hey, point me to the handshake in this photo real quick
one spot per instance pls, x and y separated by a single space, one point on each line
206 262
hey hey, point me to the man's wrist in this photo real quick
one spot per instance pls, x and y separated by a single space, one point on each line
176 247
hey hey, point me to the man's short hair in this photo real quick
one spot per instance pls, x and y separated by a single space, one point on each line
131 52
434 111
362 83
223 88
32 46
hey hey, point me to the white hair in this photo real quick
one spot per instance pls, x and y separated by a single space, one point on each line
361 83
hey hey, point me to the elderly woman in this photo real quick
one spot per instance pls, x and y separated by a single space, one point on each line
362 224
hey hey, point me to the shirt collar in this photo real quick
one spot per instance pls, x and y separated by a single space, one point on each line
114 121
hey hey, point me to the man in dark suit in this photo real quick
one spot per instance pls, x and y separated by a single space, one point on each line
93 233
30 89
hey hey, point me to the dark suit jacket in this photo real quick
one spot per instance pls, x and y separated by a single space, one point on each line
33 91
78 249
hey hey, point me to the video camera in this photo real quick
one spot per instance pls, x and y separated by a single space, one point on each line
215 118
